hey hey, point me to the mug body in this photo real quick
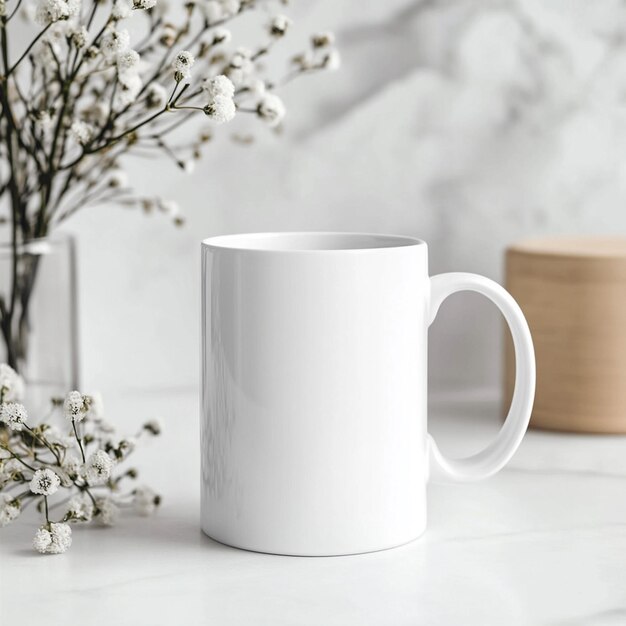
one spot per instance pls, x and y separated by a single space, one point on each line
313 426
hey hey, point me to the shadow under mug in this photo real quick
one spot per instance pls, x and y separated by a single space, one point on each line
314 386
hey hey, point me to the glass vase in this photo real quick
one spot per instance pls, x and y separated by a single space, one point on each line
39 316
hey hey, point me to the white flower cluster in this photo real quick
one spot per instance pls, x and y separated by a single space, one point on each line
81 132
13 414
9 509
45 482
54 538
106 511
240 66
271 109
279 25
182 65
97 469
221 93
44 459
322 57
10 469
145 501
144 4
76 406
50 11
156 96
11 384
115 46
123 8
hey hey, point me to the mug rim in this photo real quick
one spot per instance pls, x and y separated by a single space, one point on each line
353 242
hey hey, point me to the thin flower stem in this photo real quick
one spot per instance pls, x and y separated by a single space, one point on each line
187 108
93 14
80 443
28 49
45 443
15 10
93 500
45 504
18 458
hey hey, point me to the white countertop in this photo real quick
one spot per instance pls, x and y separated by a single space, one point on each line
543 542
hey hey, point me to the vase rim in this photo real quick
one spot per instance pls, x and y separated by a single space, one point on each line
39 245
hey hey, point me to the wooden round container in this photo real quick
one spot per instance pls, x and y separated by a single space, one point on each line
573 293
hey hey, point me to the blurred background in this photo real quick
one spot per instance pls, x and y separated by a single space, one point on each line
468 123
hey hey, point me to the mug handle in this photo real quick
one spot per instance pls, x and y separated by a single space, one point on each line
497 454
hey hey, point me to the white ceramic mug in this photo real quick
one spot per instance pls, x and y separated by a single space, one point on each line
314 349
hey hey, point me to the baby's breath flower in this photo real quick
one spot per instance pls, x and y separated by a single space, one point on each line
331 61
271 109
9 509
128 88
106 512
230 7
182 65
121 9
304 60
145 501
13 415
74 7
240 65
169 207
11 384
114 42
97 469
44 482
54 538
96 113
144 4
212 11
220 109
279 25
75 406
323 40
121 449
241 58
254 86
221 35
128 59
81 132
9 469
78 36
219 86
154 427
92 53
118 179
69 470
43 122
80 508
156 96
50 11
188 166
168 36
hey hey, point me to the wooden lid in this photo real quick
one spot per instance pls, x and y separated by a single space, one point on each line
585 247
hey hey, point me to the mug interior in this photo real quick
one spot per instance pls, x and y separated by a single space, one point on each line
310 241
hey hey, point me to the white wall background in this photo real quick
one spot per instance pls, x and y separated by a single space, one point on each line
468 123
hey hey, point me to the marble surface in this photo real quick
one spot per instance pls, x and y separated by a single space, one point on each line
543 542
